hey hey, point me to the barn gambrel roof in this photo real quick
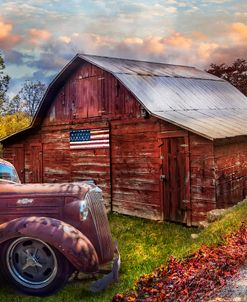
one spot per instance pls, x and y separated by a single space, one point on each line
185 96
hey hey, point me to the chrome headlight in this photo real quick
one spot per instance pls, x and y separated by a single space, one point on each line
83 210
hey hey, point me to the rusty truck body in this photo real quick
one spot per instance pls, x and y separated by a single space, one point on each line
47 231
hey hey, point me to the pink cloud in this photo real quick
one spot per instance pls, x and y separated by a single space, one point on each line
205 50
38 36
238 32
154 45
7 38
133 41
178 40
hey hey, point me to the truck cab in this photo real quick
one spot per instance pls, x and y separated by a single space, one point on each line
48 231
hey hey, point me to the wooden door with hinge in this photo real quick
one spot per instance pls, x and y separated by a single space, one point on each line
36 163
175 178
19 161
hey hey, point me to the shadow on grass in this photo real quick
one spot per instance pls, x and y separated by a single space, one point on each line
144 245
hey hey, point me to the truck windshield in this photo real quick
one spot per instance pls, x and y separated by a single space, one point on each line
8 173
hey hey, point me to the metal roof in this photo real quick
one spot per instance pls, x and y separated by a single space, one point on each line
143 68
185 96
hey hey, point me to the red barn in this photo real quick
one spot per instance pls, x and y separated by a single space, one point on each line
162 141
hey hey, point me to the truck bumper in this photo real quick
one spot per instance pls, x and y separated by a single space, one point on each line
111 276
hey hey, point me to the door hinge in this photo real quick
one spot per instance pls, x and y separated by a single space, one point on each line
163 177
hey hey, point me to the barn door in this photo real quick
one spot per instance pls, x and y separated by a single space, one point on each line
19 162
175 179
36 160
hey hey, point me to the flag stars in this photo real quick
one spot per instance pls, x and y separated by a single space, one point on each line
80 135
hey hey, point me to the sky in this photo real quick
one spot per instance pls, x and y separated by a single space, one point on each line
39 37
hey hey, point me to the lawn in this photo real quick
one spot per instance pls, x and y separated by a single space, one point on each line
144 245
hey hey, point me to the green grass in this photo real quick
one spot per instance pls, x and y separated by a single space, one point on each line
144 245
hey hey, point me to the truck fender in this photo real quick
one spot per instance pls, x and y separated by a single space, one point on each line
65 238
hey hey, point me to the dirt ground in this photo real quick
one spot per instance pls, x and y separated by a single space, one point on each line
235 290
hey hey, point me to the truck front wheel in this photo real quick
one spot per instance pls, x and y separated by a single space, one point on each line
34 267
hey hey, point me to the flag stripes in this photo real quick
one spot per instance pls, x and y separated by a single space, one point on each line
89 139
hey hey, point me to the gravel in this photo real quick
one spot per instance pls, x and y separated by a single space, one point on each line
235 289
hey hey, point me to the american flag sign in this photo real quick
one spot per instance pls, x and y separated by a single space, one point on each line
89 139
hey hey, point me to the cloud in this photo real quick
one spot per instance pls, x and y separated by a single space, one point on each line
65 39
238 32
205 50
228 54
5 29
216 1
42 77
159 9
199 36
38 36
153 45
56 52
48 62
17 84
16 57
167 31
133 41
157 45
175 48
7 38
241 14
195 49
178 40
234 45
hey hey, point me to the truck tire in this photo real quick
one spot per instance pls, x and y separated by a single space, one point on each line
34 267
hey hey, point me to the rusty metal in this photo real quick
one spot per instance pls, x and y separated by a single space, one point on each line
39 190
51 212
95 205
64 237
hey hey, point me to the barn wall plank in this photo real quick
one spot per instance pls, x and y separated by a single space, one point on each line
136 168
91 92
64 165
92 98
231 173
202 170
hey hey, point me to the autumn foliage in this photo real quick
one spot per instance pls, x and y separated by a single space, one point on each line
12 123
196 278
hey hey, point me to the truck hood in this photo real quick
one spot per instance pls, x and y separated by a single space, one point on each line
76 189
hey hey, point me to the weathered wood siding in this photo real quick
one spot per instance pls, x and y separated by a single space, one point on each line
56 155
175 173
15 154
231 172
202 169
91 93
196 177
136 166
89 99
27 158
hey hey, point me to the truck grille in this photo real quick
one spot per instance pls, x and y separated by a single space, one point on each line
98 211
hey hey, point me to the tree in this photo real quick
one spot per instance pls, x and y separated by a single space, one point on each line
236 73
31 95
4 84
14 105
11 123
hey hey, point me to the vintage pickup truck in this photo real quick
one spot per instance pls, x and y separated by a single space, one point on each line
48 231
